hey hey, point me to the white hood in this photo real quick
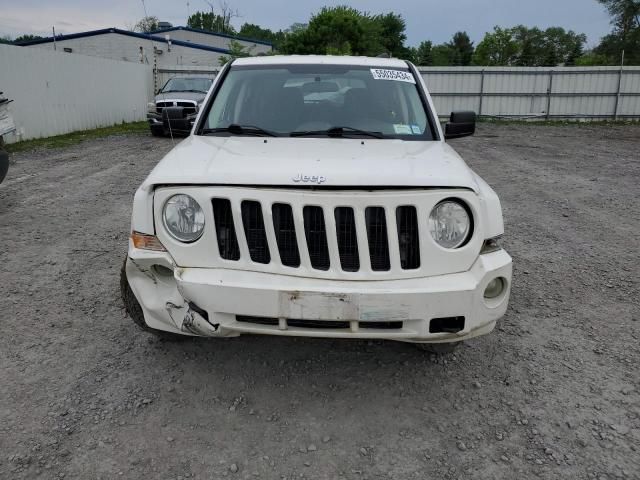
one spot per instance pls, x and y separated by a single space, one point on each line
344 162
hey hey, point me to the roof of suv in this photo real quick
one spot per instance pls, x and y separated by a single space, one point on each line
322 60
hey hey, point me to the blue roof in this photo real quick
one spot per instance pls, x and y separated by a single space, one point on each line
225 35
146 36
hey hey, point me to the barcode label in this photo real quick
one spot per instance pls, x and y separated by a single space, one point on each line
396 75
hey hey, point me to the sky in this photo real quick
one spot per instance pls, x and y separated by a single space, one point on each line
434 20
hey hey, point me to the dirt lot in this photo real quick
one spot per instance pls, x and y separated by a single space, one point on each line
554 392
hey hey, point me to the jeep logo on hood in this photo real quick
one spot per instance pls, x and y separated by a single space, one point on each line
309 179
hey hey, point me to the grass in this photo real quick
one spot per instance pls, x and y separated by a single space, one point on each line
68 139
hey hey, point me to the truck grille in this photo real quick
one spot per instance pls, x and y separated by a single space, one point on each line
189 107
328 237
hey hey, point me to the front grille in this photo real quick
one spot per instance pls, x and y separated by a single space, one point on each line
331 237
189 107
254 232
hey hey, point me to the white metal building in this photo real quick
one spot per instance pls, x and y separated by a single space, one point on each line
160 49
219 40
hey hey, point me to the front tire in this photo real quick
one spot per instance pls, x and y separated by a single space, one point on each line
158 131
4 163
134 310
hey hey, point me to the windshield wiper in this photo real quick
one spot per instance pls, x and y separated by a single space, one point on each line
236 129
337 132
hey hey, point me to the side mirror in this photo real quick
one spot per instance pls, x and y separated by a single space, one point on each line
461 124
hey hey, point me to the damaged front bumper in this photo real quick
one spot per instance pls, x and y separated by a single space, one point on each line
226 303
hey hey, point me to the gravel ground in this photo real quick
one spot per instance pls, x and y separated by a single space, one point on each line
553 392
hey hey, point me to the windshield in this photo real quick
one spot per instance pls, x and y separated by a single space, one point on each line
316 100
187 85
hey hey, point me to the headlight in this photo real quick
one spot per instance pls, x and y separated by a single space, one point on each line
450 224
183 218
151 106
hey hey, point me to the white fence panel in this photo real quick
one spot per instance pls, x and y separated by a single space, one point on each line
536 92
56 92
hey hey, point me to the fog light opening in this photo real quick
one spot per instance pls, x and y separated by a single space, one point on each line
163 271
494 288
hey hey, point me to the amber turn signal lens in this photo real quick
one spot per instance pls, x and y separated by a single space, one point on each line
147 242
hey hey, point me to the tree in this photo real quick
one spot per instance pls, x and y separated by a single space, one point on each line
562 47
461 49
346 31
146 25
590 58
392 27
423 55
497 48
524 46
255 32
531 42
441 55
237 50
211 22
625 17
6 40
27 37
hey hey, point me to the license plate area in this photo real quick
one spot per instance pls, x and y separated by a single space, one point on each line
339 307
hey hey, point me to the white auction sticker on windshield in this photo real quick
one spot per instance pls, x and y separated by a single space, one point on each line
397 75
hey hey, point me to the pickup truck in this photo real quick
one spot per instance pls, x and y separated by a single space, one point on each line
176 105
318 196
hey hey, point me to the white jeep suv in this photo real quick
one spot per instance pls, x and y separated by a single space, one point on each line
316 196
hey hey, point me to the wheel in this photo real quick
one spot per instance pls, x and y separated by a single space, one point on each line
158 132
438 348
4 163
134 310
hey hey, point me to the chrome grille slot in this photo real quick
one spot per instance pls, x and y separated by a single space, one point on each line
316 235
225 229
254 232
408 237
285 232
347 239
189 107
376 223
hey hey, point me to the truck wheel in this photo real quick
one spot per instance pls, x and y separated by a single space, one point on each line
4 163
158 132
438 348
134 309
